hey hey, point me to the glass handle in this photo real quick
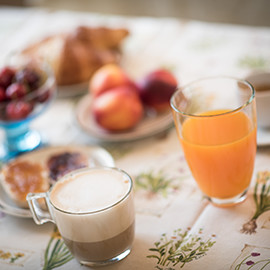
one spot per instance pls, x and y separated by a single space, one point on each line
40 215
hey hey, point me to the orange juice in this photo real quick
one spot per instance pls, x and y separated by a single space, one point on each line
220 151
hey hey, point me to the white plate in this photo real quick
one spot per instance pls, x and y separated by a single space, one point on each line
66 91
263 136
97 157
151 124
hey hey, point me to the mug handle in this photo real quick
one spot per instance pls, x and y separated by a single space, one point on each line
40 215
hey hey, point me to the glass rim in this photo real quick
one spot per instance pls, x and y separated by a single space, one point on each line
180 89
78 171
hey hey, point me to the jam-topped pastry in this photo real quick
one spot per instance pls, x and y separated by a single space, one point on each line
22 177
62 163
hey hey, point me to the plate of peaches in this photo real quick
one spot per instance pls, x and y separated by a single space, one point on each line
119 109
37 171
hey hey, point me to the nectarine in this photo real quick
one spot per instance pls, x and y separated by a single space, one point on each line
117 109
156 89
107 77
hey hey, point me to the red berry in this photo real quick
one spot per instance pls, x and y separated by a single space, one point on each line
16 90
29 76
2 94
44 96
6 76
17 110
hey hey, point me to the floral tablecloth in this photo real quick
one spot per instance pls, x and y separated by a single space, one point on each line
175 226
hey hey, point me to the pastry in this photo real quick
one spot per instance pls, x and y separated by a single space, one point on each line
22 177
75 56
62 163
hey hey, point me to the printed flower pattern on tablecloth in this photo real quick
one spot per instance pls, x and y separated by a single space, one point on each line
179 249
56 253
252 257
253 62
208 43
261 197
155 183
14 257
155 189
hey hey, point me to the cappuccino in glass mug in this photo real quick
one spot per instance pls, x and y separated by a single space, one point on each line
94 211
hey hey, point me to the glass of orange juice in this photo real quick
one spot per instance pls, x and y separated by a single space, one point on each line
215 119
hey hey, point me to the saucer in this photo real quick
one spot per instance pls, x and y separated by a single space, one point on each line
97 156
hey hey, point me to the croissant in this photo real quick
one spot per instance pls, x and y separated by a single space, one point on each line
75 56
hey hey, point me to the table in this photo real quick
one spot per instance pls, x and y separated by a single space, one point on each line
169 206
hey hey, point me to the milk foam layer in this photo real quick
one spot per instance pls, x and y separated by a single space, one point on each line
87 191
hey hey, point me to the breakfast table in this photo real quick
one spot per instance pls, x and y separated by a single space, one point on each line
176 227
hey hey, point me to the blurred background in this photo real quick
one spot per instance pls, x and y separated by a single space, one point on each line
245 12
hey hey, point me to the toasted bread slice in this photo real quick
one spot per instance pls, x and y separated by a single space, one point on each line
22 177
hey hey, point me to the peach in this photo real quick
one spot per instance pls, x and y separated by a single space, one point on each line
107 77
156 89
117 109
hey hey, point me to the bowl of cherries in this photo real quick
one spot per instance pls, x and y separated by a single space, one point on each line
26 90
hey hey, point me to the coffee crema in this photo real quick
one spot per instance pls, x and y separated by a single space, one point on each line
89 192
93 205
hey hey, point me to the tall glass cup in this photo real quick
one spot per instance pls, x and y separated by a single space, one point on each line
215 119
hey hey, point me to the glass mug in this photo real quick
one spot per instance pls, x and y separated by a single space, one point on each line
215 119
93 209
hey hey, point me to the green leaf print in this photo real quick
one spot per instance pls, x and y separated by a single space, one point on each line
249 261
253 62
155 183
179 249
56 253
261 198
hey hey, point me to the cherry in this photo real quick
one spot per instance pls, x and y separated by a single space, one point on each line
17 110
2 94
6 76
30 77
15 84
16 90
44 96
